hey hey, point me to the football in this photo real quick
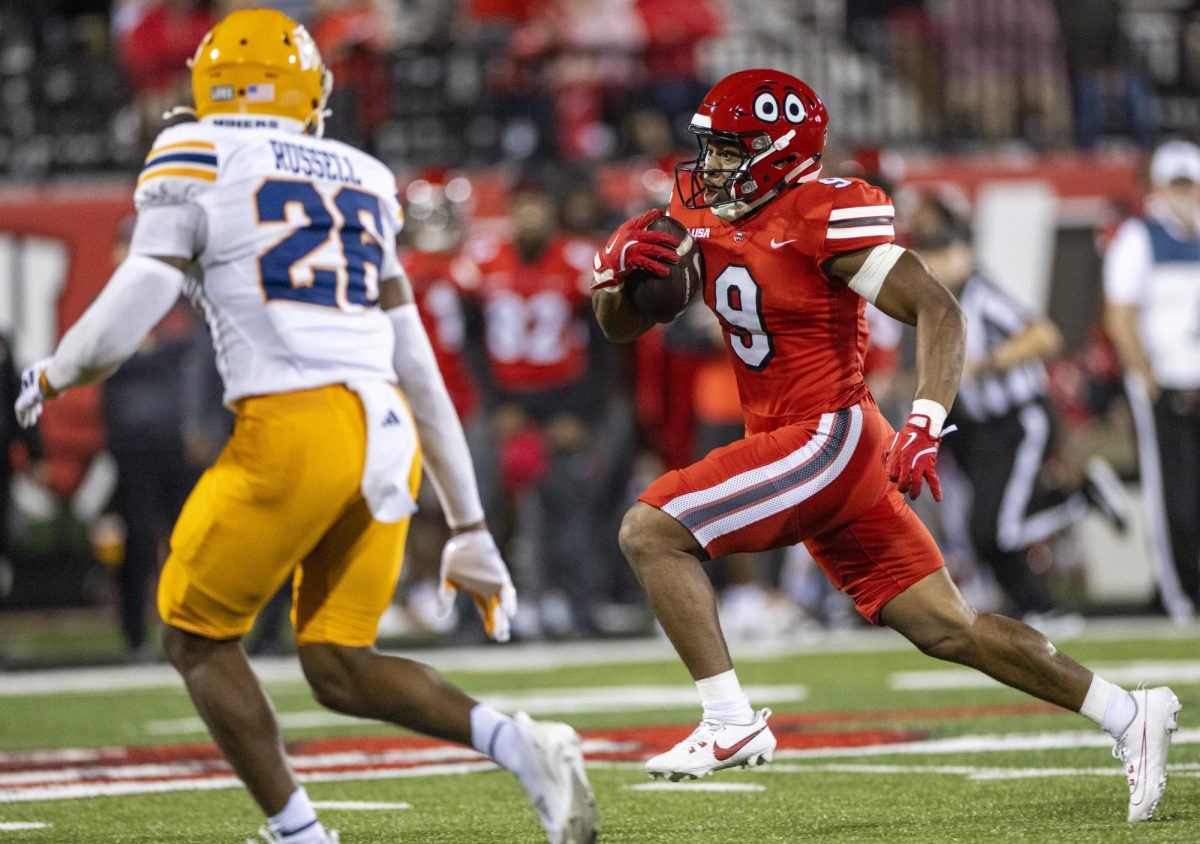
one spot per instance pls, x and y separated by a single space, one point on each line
663 299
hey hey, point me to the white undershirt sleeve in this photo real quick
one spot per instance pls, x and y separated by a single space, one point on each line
138 295
443 443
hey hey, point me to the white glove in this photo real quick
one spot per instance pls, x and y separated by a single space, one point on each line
472 561
29 402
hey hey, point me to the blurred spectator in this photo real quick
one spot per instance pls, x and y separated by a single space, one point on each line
1005 71
1110 94
355 38
154 40
1152 293
582 71
11 434
543 376
1006 422
675 31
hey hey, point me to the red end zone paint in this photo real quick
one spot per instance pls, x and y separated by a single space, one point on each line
84 772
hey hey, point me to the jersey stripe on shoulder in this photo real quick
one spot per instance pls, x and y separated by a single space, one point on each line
186 159
861 221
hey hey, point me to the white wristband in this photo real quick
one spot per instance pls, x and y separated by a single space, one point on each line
931 410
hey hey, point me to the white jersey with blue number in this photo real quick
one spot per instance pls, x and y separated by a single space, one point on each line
296 234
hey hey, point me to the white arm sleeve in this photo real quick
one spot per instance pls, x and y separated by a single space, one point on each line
869 278
138 295
1127 264
443 443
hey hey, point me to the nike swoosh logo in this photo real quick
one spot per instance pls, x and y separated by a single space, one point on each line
608 249
908 442
775 245
723 753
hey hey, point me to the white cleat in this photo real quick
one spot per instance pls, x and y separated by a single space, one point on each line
558 784
715 745
1143 749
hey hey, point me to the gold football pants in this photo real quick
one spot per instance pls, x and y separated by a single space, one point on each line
284 496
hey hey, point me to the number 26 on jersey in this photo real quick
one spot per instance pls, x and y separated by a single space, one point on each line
333 253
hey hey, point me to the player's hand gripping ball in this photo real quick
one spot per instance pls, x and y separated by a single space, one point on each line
663 296
654 261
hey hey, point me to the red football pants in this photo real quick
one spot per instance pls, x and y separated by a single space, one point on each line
820 482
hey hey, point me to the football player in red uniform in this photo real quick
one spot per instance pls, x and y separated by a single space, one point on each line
540 384
436 217
791 260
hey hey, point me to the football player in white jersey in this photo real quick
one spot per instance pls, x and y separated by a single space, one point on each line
314 326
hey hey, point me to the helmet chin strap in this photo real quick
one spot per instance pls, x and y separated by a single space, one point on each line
730 211
176 111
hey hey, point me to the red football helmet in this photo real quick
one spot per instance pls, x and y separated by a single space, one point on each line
779 123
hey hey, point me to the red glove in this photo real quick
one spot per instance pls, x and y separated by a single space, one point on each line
633 247
912 457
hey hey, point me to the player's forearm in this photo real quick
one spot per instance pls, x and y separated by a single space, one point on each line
941 336
443 443
1120 321
1037 342
617 317
138 295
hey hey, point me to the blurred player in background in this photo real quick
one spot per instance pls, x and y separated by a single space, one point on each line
314 323
790 261
1006 423
545 399
1152 313
436 217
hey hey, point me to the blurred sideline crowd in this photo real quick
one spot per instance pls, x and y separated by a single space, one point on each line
565 428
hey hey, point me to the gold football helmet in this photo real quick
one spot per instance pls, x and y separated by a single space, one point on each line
260 61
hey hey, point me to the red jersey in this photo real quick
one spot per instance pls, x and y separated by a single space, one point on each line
439 280
535 313
796 336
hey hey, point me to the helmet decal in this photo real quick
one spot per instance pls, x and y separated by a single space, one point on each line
765 107
793 109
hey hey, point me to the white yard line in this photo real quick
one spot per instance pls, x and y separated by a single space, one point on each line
695 786
534 701
452 761
973 772
548 656
1123 673
997 743
18 826
120 789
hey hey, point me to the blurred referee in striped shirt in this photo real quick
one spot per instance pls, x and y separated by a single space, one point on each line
1006 422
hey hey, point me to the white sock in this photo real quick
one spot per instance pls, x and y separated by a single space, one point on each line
493 734
723 700
1110 706
297 823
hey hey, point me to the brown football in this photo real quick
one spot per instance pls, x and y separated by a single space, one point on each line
663 299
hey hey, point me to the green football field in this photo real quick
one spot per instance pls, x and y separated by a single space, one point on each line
877 743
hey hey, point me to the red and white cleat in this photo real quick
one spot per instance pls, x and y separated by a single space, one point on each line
715 745
1143 749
